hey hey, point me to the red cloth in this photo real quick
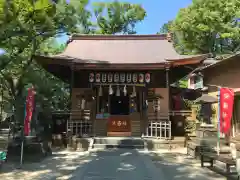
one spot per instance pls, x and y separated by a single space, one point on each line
29 111
226 109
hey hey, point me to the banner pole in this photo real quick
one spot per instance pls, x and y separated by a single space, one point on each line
218 124
22 144
21 160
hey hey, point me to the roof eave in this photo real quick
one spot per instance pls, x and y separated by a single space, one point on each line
186 58
217 63
83 64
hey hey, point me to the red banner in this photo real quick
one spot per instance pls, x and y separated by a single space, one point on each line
226 109
28 111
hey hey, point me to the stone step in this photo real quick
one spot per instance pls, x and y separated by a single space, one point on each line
119 142
157 144
106 146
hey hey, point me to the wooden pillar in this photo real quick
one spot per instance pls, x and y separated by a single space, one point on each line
168 89
169 98
141 110
71 89
71 84
144 110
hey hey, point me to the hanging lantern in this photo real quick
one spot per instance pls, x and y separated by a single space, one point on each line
134 78
122 77
118 91
147 77
141 78
125 90
110 90
91 77
134 94
116 77
100 93
129 78
104 78
98 77
110 77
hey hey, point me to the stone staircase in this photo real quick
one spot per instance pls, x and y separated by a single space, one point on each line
118 142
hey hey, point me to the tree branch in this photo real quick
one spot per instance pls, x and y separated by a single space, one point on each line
9 87
25 68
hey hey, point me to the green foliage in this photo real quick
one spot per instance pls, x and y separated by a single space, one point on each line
117 17
26 28
52 47
30 27
209 26
166 27
190 126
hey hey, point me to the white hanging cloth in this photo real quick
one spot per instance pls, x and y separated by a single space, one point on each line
110 90
125 90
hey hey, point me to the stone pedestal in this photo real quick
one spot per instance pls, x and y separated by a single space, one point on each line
78 144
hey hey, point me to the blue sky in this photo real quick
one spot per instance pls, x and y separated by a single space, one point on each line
158 13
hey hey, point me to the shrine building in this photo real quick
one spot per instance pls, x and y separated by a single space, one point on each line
120 84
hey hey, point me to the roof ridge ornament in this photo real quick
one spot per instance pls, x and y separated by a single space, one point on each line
169 37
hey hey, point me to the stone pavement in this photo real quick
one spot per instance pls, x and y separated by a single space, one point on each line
178 166
112 164
58 167
119 164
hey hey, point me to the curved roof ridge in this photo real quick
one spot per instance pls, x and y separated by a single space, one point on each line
119 37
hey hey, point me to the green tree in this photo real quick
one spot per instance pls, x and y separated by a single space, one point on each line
30 27
24 26
209 26
117 17
166 27
176 37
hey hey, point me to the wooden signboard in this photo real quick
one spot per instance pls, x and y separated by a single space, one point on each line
119 125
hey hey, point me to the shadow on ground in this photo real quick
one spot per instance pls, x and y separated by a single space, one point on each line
60 165
112 163
180 166
115 163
